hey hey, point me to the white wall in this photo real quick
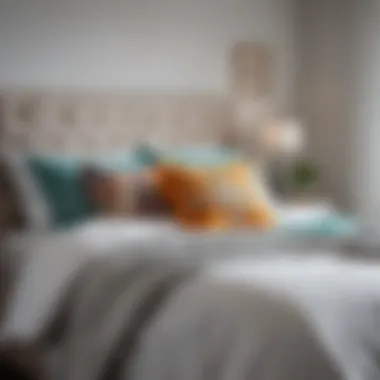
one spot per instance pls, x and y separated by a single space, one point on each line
327 74
139 43
367 135
338 90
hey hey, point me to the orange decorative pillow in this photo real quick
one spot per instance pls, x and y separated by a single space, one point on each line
216 198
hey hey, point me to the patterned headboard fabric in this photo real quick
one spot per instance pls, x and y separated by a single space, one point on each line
78 122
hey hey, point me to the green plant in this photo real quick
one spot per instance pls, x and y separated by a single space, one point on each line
304 175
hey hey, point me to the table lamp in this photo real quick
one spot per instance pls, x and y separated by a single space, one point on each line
281 140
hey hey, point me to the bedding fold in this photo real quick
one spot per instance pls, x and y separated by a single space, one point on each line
162 318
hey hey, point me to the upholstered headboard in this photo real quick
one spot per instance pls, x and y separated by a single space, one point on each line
79 122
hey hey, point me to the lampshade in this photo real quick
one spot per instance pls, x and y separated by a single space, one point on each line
282 137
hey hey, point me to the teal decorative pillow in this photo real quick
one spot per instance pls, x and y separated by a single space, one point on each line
61 186
60 181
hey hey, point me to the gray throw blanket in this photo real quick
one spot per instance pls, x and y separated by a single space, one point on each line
163 319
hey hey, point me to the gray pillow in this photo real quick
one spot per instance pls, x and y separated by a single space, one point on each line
32 203
5 281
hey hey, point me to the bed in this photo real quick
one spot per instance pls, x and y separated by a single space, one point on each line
339 299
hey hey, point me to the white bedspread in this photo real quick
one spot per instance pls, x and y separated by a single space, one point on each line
342 299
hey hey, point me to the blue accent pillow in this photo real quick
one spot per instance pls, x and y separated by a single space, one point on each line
59 178
194 156
335 225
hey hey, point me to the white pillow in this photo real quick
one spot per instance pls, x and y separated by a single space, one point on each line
34 206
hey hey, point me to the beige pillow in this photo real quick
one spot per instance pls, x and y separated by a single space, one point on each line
120 193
